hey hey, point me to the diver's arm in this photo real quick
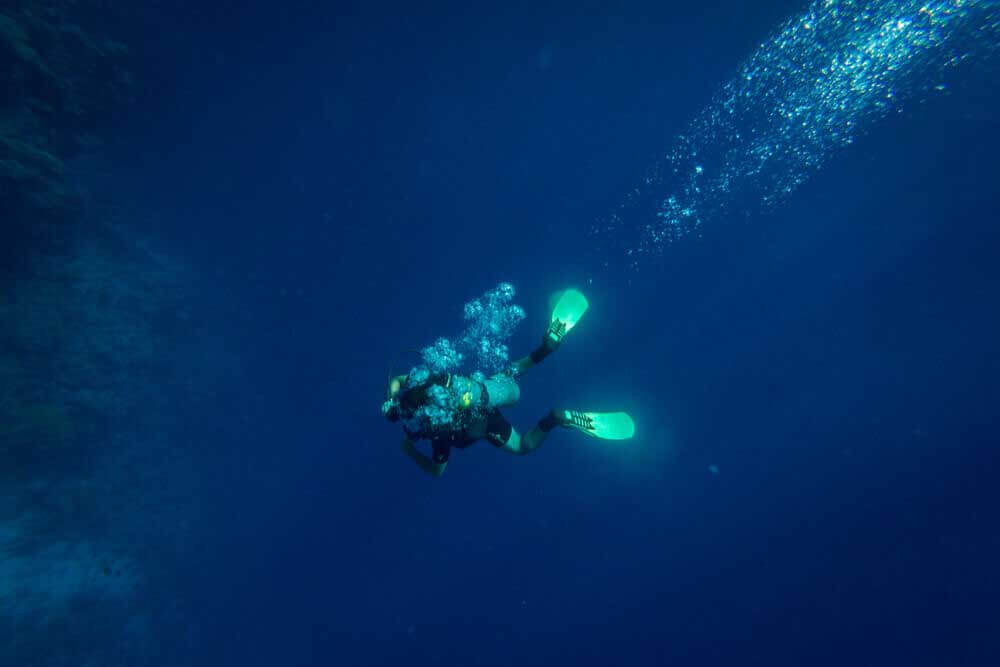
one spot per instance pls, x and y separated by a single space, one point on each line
423 462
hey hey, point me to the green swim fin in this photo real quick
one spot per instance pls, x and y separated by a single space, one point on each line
603 425
567 312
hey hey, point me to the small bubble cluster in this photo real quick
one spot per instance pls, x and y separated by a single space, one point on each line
490 321
438 413
819 83
441 356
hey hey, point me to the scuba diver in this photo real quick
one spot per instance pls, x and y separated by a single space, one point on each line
457 411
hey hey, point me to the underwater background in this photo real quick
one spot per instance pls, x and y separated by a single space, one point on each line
224 226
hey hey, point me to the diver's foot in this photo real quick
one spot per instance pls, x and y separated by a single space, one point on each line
583 421
554 335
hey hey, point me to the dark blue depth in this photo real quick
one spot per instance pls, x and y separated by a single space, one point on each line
813 480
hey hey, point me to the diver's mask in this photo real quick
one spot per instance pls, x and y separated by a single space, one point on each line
400 400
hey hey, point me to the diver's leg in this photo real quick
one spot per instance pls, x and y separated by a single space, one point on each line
502 434
601 425
547 347
533 439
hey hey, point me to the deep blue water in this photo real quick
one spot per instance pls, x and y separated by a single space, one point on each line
814 478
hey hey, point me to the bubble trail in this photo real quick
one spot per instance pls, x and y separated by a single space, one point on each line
824 79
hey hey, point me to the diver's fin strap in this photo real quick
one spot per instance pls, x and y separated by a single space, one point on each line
581 420
556 331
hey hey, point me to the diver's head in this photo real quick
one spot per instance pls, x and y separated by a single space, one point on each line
403 398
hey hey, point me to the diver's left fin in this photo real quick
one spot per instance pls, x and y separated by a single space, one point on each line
603 425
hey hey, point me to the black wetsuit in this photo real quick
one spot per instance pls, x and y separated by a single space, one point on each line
497 429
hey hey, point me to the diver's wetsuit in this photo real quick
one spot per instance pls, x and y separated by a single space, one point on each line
492 426
498 431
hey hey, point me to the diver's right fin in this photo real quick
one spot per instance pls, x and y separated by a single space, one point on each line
569 308
603 425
